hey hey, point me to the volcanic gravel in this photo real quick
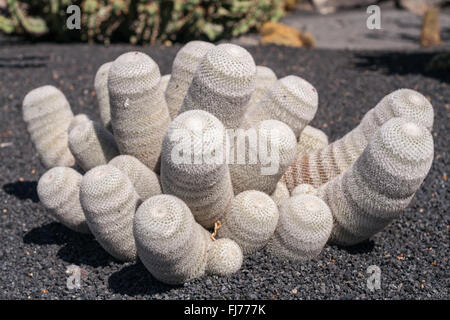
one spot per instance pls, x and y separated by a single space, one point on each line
35 251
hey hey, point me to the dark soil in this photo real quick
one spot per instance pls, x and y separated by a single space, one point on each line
413 252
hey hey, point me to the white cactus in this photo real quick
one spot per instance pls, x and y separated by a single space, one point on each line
59 191
250 221
265 77
48 115
303 229
323 165
92 145
109 202
139 114
291 100
224 257
202 181
102 93
381 183
144 180
170 244
262 170
183 70
223 84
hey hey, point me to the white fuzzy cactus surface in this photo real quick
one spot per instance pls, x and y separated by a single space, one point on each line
188 169
250 221
110 201
291 99
59 191
139 114
303 229
47 114
183 69
170 244
223 84
321 166
194 171
224 257
381 183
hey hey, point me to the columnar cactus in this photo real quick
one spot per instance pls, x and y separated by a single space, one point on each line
323 165
250 221
223 84
311 139
144 180
281 193
266 157
139 114
183 70
291 100
303 229
188 169
224 257
102 93
109 202
381 183
170 244
59 191
48 115
265 77
76 120
92 145
304 189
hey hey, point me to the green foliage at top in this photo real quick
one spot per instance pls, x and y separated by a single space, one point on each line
139 21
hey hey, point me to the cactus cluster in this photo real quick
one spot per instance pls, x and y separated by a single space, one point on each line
139 21
163 190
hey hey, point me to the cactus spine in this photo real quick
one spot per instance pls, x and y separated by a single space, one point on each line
250 221
170 244
102 93
92 145
381 183
59 191
144 180
183 70
323 165
199 179
303 228
48 115
223 84
109 202
139 114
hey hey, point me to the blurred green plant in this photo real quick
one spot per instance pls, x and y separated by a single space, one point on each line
139 21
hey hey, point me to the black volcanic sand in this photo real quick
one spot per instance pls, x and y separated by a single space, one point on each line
413 252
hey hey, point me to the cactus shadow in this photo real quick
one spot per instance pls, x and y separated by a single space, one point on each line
363 247
22 190
77 248
399 63
135 280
